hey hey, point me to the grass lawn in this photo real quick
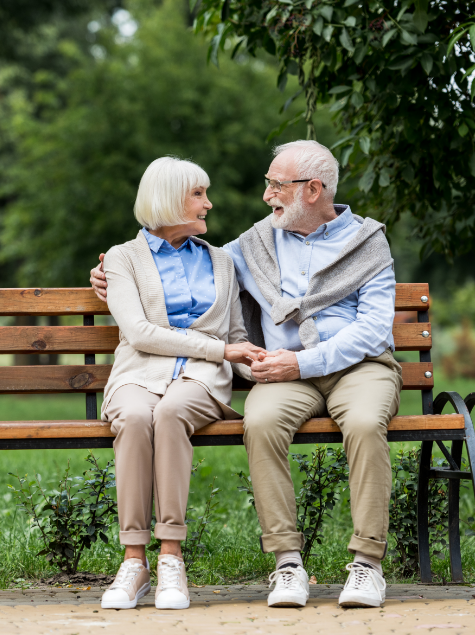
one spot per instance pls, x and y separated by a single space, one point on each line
233 542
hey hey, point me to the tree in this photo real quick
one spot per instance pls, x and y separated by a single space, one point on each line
78 161
400 95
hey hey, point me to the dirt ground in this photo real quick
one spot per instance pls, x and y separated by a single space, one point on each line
239 610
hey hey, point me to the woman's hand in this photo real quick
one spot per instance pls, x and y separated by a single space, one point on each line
243 353
98 280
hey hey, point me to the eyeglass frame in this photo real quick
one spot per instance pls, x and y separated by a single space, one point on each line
281 183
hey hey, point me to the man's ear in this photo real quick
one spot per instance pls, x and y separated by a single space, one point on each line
316 189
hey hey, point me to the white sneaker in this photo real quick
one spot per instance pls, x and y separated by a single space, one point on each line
291 587
172 588
131 583
365 587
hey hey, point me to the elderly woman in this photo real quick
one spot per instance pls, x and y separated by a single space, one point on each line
176 301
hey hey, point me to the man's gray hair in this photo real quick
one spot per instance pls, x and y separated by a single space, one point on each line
314 161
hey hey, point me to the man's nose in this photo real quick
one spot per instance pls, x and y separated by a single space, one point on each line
268 194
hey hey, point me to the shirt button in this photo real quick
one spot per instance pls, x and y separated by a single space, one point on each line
307 243
303 273
315 318
326 233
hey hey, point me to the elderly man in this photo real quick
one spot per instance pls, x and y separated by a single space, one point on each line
318 292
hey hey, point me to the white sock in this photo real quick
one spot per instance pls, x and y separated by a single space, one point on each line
283 558
374 562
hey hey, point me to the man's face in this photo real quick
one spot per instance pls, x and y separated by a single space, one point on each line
288 205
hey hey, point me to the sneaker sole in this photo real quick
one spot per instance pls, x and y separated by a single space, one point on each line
366 604
131 604
174 605
286 604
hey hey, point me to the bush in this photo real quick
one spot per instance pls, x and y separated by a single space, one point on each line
72 517
403 512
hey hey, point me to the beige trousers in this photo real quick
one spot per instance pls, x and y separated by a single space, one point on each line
153 450
362 400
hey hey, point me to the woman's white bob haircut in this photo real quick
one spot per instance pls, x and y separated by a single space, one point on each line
163 189
313 161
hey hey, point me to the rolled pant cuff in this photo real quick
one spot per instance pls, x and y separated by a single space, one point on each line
287 541
368 546
163 531
135 537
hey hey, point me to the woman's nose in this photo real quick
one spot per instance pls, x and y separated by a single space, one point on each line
208 204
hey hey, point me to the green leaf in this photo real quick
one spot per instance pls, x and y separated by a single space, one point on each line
455 38
345 155
327 33
349 3
346 41
350 21
327 12
408 38
336 90
318 26
427 62
384 178
401 64
365 144
463 130
360 52
357 99
367 180
471 32
388 36
338 105
420 18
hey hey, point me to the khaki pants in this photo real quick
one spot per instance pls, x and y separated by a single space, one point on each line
362 400
152 449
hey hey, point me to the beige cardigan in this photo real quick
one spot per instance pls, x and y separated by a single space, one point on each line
149 346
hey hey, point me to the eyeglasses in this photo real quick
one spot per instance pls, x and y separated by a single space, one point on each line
276 186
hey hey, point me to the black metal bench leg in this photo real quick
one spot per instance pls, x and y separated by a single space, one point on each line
454 518
423 512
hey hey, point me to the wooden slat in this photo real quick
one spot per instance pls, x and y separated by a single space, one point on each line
408 336
104 339
58 339
408 296
38 301
53 379
65 379
87 429
82 300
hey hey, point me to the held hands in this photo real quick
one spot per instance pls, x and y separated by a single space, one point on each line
276 366
98 280
243 353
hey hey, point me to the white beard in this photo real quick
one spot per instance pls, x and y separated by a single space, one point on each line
293 213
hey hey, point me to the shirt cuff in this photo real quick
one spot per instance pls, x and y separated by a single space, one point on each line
310 363
215 351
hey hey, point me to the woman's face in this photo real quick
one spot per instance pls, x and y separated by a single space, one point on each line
196 208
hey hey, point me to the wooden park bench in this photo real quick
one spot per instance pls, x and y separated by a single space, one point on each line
90 378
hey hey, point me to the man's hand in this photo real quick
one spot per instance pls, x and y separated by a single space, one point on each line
98 280
277 366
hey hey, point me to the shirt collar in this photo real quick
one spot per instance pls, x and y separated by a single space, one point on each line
155 243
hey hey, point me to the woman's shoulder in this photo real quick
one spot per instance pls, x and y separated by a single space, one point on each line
125 252
217 253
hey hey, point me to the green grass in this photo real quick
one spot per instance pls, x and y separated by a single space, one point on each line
233 542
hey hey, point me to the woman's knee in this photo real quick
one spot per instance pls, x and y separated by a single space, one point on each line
135 421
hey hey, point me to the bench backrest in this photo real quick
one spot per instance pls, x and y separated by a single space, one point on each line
89 340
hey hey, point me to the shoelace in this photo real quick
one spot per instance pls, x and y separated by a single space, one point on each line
361 578
288 578
125 575
170 570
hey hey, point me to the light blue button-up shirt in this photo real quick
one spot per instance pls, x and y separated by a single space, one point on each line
360 325
187 279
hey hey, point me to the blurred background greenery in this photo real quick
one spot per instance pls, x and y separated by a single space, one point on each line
90 93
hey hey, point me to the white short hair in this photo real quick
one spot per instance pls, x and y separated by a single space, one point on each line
162 191
313 161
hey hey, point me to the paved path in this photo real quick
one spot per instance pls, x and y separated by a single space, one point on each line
240 610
